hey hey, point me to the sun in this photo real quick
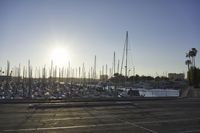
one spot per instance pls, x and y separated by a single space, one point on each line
60 56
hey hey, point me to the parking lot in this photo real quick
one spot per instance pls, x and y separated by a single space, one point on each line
140 116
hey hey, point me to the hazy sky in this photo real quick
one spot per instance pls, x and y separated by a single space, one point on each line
160 32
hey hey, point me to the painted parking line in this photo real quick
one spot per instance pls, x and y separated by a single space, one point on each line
138 126
115 117
147 129
159 121
77 118
190 131
167 121
66 127
124 122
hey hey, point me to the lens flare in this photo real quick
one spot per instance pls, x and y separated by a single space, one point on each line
60 56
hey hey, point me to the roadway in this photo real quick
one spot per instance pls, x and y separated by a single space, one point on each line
146 116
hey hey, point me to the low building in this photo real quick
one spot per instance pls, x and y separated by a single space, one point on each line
176 76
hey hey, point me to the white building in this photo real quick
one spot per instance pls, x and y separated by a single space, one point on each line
176 76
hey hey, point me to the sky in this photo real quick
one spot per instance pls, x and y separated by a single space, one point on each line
160 33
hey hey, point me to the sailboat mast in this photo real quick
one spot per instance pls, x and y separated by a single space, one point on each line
126 53
94 73
118 67
114 63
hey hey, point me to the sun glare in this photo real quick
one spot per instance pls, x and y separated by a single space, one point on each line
60 56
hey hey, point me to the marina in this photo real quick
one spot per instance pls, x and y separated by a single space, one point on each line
99 66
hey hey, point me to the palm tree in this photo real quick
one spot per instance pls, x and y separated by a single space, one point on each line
188 63
194 53
187 55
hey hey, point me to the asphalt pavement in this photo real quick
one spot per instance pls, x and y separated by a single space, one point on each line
146 116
